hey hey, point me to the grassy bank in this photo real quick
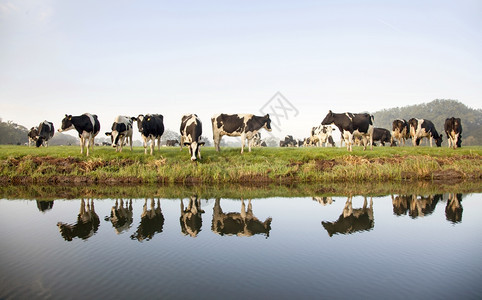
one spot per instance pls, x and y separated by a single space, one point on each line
20 164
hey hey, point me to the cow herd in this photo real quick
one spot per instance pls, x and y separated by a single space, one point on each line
354 129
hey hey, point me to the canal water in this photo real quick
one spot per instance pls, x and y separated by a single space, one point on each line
393 245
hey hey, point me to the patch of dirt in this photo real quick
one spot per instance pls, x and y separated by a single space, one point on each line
325 165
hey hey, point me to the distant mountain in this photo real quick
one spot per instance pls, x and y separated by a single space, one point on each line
12 133
437 111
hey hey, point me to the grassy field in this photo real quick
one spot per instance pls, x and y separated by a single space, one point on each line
65 164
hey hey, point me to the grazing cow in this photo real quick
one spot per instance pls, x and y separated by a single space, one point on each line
45 133
240 224
191 217
383 135
244 125
400 131
454 209
322 134
152 222
421 128
191 130
32 135
171 143
87 223
289 141
121 132
352 220
453 129
121 216
86 125
151 128
352 125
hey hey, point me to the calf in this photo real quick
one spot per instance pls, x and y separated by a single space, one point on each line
86 125
191 130
244 125
383 135
322 133
32 135
400 131
151 128
121 131
352 125
421 128
453 129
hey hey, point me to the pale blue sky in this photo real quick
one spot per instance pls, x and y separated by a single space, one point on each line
206 57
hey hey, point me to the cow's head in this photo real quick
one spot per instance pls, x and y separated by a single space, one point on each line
329 119
111 137
267 124
66 123
438 140
140 119
194 149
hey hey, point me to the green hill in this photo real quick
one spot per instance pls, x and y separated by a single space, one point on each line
437 111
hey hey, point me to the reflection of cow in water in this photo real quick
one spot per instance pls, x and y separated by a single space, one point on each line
191 219
417 206
152 222
86 226
323 200
121 216
240 224
453 210
352 220
43 206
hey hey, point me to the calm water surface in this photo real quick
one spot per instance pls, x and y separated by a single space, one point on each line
393 246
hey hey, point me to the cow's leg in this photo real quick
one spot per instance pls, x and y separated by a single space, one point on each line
159 143
243 141
250 143
430 139
182 142
145 140
364 141
153 142
81 145
217 140
130 141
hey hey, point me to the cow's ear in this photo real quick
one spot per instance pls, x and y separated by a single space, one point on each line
66 116
133 118
267 116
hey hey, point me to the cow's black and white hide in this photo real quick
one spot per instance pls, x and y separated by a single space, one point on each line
87 126
453 130
400 131
244 125
351 125
122 130
191 131
151 127
422 128
32 136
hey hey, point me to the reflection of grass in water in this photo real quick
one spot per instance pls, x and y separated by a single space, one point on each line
282 165
51 192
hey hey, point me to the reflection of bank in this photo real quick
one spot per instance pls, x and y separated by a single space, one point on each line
243 223
352 220
86 225
191 217
152 222
421 206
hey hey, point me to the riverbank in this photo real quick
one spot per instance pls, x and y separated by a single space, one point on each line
65 165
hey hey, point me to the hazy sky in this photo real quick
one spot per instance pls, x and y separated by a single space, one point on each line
206 57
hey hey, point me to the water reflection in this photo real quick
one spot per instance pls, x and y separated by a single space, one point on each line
121 216
152 221
324 200
86 226
191 217
352 220
243 223
453 209
43 206
416 206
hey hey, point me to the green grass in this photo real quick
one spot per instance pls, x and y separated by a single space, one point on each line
262 165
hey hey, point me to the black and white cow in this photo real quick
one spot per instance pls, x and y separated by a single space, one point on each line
32 135
351 125
191 217
289 141
400 131
87 125
383 136
244 125
121 132
191 131
322 134
151 128
171 143
453 129
421 128
45 133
